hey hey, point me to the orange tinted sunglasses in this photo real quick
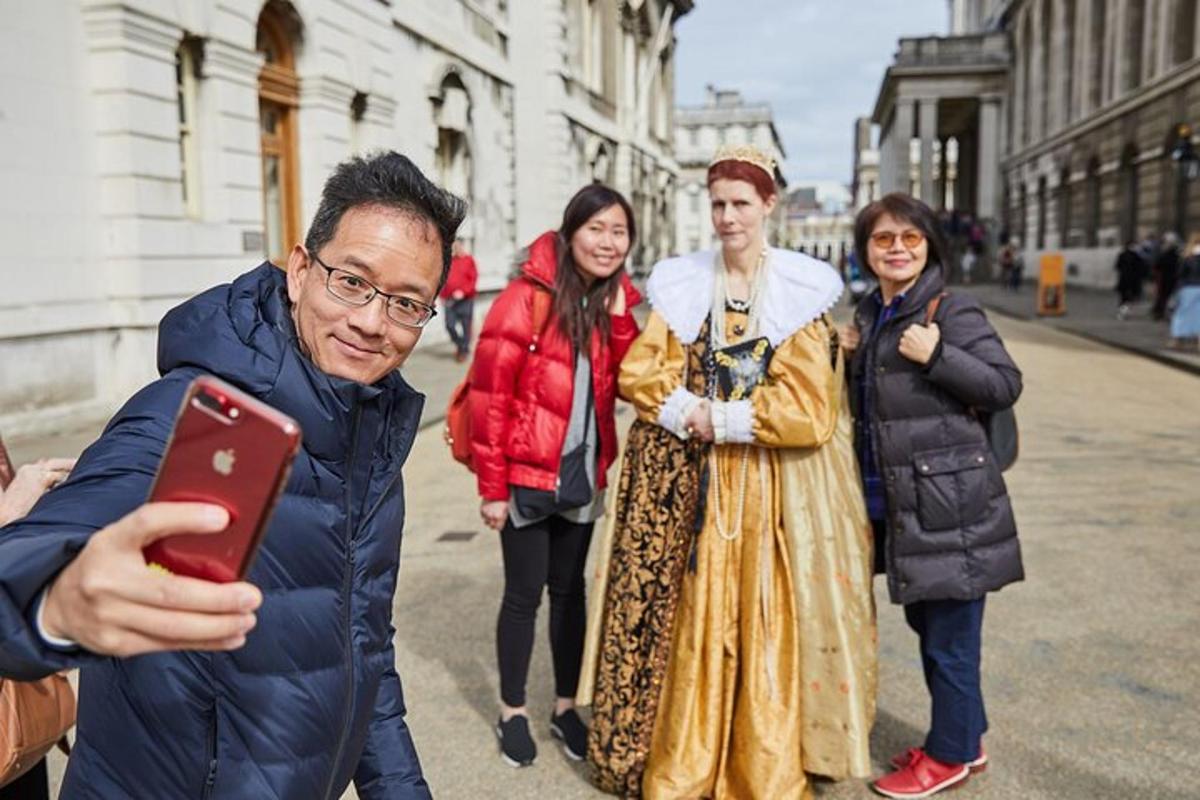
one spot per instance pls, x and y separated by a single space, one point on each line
884 240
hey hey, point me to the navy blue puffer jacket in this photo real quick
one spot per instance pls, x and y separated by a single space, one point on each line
312 701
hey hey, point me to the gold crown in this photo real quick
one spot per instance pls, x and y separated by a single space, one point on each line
747 153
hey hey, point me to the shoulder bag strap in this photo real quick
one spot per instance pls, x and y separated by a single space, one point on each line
932 309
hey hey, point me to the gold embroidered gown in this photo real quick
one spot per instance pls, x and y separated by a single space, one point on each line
770 670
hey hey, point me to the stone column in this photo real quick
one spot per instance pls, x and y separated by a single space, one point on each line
928 127
988 158
894 176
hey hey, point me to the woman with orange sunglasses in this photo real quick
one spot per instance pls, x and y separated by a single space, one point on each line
925 366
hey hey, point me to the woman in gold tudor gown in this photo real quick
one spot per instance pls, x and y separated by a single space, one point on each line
736 645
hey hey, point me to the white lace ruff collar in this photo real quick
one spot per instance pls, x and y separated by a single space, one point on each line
799 289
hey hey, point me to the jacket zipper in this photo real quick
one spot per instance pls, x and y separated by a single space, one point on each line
347 581
210 780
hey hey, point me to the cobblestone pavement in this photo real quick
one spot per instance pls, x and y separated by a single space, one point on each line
1092 313
1091 667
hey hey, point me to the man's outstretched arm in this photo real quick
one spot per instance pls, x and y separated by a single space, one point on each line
74 568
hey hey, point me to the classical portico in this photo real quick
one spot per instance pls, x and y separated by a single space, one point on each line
941 117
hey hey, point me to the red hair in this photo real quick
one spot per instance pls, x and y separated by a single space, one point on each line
731 170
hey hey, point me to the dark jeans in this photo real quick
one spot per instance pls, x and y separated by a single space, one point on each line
458 323
550 553
33 785
879 529
950 632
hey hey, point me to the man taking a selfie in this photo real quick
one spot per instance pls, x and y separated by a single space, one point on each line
283 685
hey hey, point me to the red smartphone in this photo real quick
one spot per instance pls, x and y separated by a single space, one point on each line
230 450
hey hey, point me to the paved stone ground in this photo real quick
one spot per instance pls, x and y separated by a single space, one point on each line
1092 666
1092 313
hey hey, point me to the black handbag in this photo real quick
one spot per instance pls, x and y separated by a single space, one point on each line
574 489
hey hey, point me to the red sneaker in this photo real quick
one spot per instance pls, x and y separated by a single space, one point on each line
902 760
923 776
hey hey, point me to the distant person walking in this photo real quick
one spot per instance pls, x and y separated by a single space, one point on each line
459 298
1185 322
1166 274
1014 269
1130 272
969 259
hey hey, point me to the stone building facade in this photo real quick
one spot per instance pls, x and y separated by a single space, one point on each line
1060 123
151 149
1103 93
724 118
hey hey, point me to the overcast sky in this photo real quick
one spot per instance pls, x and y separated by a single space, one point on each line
819 63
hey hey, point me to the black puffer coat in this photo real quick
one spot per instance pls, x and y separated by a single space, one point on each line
951 532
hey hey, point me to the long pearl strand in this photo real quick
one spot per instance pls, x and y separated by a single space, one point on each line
729 534
717 340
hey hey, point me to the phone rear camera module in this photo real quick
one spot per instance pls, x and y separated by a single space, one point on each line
208 401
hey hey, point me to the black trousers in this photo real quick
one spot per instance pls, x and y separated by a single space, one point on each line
550 553
458 323
33 785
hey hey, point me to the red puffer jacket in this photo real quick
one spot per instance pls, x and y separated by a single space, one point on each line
521 398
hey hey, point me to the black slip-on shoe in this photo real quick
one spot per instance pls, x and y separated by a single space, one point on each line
568 727
516 745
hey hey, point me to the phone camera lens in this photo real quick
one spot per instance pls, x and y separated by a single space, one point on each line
208 401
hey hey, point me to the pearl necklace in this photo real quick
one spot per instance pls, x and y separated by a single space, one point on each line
717 340
721 297
731 533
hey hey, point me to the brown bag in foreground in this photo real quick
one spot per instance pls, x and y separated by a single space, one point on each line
33 715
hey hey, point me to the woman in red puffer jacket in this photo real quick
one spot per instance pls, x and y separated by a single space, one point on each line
543 436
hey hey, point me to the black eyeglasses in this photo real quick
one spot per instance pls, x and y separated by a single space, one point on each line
354 290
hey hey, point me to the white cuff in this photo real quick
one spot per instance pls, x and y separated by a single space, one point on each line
39 622
733 422
675 410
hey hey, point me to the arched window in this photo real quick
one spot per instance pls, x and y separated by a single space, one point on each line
1092 228
1022 216
1041 213
1129 193
278 99
1064 207
452 110
593 45
187 79
1184 44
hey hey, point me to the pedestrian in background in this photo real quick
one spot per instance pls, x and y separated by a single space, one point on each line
1166 273
1016 265
458 299
542 397
1131 271
1185 322
969 259
737 643
944 529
